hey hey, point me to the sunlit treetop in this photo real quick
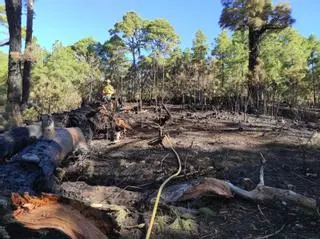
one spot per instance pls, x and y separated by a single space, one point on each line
255 14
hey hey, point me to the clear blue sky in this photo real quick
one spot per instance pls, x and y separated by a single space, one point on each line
72 20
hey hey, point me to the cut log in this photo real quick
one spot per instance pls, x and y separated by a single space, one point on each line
49 211
80 211
16 139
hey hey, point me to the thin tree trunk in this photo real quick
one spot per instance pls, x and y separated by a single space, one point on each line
162 86
13 10
183 100
140 92
314 88
28 50
199 88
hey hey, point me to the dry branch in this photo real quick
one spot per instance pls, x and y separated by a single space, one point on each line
221 188
271 194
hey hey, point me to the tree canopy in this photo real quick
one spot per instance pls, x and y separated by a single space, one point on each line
144 61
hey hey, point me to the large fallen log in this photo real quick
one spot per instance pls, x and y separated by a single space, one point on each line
16 139
32 169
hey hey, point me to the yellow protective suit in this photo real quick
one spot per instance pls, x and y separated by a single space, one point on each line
108 91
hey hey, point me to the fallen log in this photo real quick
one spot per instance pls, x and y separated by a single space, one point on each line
16 139
32 169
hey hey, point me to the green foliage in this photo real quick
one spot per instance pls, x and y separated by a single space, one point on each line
200 47
254 14
286 65
132 31
117 64
87 52
258 17
3 77
161 36
230 63
3 17
57 80
31 114
142 58
222 53
184 225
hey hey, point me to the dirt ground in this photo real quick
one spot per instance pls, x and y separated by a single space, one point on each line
214 144
211 145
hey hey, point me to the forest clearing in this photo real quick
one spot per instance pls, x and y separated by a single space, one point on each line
138 136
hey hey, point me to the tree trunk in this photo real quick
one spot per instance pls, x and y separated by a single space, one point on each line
199 88
28 50
162 86
13 10
254 41
314 88
140 91
32 169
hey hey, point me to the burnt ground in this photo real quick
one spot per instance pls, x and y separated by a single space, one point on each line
211 144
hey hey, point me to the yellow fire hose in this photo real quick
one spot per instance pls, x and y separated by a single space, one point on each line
155 207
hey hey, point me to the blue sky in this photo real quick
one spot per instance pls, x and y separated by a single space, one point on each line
72 20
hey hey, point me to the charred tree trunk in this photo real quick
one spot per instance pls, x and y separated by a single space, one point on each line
16 139
27 62
253 89
13 11
32 169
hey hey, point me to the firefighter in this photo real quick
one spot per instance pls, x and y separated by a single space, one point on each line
108 91
108 96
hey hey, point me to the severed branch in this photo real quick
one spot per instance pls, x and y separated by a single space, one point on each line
270 194
264 193
197 188
263 161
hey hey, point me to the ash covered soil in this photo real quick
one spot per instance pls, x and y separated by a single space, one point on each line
215 144
211 144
